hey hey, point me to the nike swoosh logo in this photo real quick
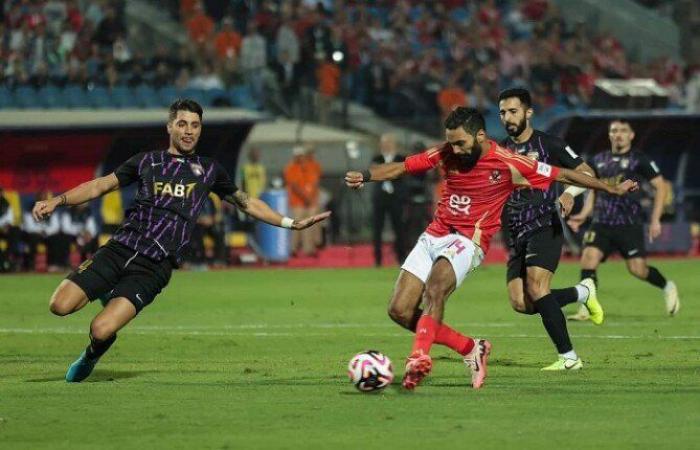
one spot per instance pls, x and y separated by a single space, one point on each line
569 366
633 252
156 164
530 255
138 297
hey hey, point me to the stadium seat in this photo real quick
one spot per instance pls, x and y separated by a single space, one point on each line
51 97
26 97
167 95
241 97
6 100
76 97
146 96
218 97
100 97
123 97
199 95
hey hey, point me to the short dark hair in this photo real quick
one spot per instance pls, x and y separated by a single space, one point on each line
184 104
620 120
520 93
468 118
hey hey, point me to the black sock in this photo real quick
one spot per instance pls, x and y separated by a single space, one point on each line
656 278
585 273
565 296
554 322
98 348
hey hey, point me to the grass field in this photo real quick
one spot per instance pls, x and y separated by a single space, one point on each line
257 359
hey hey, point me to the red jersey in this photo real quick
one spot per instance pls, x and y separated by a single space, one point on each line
473 197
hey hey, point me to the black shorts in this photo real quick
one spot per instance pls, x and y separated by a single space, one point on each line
118 271
626 239
541 248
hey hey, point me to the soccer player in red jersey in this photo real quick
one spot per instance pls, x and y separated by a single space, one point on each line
479 178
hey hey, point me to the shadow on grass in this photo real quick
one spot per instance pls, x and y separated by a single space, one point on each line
96 377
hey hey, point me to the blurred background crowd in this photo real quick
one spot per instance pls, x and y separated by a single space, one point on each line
407 61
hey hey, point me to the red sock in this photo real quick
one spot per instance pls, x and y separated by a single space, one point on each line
456 341
425 334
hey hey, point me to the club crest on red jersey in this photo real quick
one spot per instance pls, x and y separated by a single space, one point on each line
495 176
197 169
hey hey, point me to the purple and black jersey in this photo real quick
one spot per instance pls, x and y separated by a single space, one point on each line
613 169
171 192
528 210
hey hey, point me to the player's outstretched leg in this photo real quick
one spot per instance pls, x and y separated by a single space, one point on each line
103 333
585 294
440 284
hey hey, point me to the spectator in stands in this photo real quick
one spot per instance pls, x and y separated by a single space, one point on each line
287 43
328 76
254 174
79 229
288 76
388 199
302 176
9 235
109 29
228 41
206 79
41 238
200 26
253 61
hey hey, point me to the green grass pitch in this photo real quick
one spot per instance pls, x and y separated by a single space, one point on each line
250 359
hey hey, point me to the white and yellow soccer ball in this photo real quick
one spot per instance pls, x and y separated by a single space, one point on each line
370 371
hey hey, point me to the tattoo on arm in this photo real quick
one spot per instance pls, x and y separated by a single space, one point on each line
240 199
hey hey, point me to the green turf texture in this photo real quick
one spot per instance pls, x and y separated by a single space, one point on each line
249 359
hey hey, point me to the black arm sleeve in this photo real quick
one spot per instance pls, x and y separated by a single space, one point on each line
128 172
223 185
647 168
564 155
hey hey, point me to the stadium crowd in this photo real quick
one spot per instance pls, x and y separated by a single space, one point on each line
402 58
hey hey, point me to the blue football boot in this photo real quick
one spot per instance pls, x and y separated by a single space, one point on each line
80 369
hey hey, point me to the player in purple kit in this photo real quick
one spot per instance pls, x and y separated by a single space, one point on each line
136 264
617 222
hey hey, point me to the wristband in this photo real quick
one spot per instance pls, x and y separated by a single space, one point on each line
575 190
287 222
366 176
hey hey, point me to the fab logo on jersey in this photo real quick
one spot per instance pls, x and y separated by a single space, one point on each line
175 190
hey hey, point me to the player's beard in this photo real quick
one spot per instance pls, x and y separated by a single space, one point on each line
520 127
470 160
183 151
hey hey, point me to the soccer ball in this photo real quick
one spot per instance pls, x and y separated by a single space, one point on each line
370 371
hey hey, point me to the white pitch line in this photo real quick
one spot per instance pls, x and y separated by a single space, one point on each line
174 331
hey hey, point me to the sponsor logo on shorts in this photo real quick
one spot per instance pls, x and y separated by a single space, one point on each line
633 252
530 255
138 297
84 265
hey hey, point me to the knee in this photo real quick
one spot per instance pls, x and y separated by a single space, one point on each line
401 316
520 305
101 329
60 304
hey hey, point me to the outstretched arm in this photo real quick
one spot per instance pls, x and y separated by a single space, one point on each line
82 193
261 211
583 180
379 172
